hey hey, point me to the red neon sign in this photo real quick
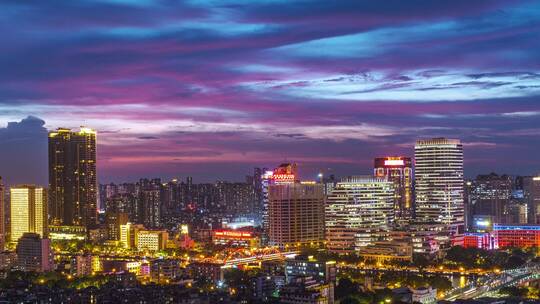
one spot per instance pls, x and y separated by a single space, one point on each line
233 234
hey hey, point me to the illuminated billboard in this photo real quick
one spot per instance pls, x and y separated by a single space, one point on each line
394 162
283 177
232 234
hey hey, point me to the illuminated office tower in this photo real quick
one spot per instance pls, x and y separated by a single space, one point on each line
72 177
295 214
439 182
358 208
399 170
2 215
284 174
489 196
531 189
28 210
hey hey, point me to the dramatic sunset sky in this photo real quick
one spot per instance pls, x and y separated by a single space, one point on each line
213 88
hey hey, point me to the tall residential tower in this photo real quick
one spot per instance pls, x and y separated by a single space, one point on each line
295 214
72 177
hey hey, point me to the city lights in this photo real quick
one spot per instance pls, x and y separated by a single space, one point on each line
306 152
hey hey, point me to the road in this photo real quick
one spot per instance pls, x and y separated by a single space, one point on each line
489 285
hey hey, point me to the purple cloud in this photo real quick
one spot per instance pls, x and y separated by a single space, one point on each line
213 89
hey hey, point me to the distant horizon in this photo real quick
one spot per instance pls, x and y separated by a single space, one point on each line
310 174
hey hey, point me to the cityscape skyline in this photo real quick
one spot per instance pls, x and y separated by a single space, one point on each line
312 171
270 152
210 91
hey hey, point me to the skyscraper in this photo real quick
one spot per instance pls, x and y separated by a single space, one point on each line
258 176
490 195
399 170
72 177
2 216
357 207
28 211
531 190
295 214
150 203
284 174
439 182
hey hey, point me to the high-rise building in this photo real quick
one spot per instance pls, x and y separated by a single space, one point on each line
2 216
295 214
489 195
34 253
125 203
284 174
28 209
170 196
516 214
399 170
358 207
258 175
128 234
150 203
531 190
439 182
72 177
114 220
235 198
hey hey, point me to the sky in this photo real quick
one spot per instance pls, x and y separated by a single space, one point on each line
211 89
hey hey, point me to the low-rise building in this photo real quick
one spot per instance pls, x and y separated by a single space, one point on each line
503 236
34 253
8 259
164 270
204 270
98 234
385 251
82 265
64 232
305 290
301 266
425 239
120 266
151 240
523 236
424 295
265 287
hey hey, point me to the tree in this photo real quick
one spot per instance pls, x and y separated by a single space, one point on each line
345 287
350 300
420 261
514 261
513 291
